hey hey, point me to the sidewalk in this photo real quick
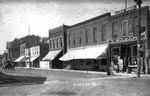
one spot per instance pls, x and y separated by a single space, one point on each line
67 70
125 74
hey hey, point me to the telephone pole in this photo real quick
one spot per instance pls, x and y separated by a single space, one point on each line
139 2
29 48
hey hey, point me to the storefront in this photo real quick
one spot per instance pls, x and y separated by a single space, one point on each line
87 58
126 50
52 57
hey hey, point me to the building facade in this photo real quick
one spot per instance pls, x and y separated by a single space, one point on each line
35 54
57 46
21 60
123 37
117 34
85 42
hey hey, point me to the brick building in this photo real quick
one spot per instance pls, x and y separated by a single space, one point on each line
85 48
57 46
96 43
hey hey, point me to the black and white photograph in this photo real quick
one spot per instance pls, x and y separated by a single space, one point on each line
74 47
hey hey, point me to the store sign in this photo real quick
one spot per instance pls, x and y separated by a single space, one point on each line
121 40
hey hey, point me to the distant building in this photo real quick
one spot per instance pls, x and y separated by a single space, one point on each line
36 54
22 59
45 40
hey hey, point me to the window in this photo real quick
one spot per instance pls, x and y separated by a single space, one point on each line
69 39
95 34
135 23
130 32
57 42
124 28
86 35
74 40
54 43
103 32
61 41
114 30
50 44
80 41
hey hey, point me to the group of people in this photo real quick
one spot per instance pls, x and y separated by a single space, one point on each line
8 65
118 65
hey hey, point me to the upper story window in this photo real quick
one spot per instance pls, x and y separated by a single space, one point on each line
80 40
53 43
95 34
69 39
124 27
57 43
114 30
87 35
135 23
130 32
74 38
103 32
61 41
50 44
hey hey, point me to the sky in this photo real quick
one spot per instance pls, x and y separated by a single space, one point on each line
16 16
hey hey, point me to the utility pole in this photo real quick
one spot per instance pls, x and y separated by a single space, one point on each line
29 48
125 4
138 2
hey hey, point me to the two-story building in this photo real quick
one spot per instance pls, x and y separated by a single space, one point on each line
95 43
123 30
22 59
35 54
86 44
57 46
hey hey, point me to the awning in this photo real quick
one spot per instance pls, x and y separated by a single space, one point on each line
88 52
51 55
20 59
32 59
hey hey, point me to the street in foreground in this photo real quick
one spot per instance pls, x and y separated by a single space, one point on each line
62 83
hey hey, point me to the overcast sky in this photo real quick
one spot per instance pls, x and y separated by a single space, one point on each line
41 15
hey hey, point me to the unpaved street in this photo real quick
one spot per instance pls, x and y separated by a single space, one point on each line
64 83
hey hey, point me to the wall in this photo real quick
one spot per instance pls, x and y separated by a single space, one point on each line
82 27
22 49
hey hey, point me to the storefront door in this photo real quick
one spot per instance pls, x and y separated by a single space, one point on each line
134 54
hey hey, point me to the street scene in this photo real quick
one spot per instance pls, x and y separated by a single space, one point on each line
75 48
38 82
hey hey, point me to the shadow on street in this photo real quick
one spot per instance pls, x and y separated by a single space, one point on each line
12 80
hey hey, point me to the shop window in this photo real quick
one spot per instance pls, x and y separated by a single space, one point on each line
103 32
114 30
95 34
88 62
124 28
82 62
115 53
103 61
